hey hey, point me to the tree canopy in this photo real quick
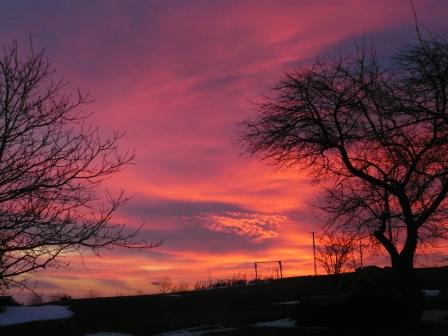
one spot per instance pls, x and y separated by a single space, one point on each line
51 164
374 131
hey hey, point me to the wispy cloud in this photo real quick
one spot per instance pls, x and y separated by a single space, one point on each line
253 225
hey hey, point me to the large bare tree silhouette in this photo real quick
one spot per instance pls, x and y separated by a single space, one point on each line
51 163
378 130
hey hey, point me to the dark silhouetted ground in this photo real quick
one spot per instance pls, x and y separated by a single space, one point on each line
350 304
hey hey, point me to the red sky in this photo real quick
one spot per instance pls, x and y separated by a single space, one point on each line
177 77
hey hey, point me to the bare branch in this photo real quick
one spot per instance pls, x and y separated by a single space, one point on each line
51 164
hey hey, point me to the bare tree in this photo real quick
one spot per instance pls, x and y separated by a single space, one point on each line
165 285
51 163
336 253
36 299
375 133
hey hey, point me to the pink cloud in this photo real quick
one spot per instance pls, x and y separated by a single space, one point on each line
253 225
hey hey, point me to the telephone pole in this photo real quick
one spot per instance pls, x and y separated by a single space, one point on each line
314 254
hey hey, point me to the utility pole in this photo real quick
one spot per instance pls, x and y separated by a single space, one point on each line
314 254
361 246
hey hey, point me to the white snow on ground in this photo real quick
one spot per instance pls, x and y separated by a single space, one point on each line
431 292
282 323
434 315
216 329
107 333
17 315
197 331
287 303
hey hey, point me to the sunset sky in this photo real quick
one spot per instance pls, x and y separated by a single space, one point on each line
177 77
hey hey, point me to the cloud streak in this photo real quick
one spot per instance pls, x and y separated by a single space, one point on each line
253 225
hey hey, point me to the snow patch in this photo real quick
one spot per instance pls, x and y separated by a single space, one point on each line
287 303
282 323
197 331
431 292
17 315
107 333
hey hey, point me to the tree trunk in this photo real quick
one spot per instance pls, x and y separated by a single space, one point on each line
409 286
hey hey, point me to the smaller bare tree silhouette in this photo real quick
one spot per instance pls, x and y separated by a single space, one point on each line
336 253
165 285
